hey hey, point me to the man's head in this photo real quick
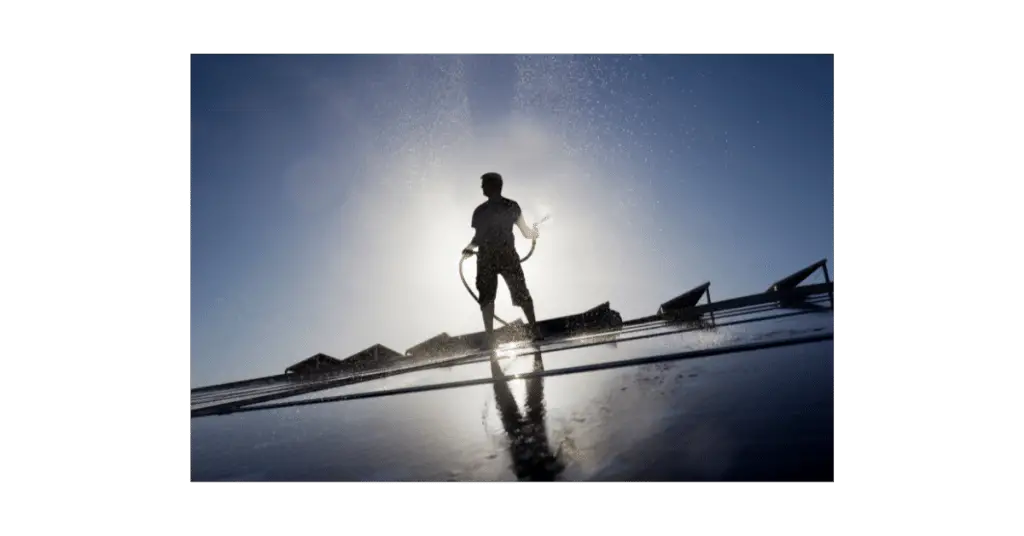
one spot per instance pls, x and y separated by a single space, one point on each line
491 184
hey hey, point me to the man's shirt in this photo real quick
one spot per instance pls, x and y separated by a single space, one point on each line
493 221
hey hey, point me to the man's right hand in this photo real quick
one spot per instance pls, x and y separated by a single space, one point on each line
468 252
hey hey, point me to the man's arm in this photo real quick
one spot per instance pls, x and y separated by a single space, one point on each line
468 250
529 233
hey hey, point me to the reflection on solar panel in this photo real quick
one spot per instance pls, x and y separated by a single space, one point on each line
597 327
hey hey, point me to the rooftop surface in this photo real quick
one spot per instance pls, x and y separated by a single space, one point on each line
750 399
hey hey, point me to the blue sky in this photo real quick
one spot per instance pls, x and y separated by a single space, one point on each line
331 195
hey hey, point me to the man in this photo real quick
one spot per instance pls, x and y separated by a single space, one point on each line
496 253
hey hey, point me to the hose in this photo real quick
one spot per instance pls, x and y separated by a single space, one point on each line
533 245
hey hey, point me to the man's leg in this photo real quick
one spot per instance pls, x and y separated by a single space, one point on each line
487 286
488 311
528 311
532 318
516 282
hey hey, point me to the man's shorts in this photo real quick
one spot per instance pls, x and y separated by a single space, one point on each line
505 263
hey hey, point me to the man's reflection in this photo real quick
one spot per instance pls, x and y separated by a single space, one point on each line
532 458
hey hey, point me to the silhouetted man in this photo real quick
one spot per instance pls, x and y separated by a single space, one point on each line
496 252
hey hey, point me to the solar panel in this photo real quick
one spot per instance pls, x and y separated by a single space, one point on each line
720 419
416 434
649 342
745 395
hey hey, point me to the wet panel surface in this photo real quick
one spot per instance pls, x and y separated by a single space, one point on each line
760 415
